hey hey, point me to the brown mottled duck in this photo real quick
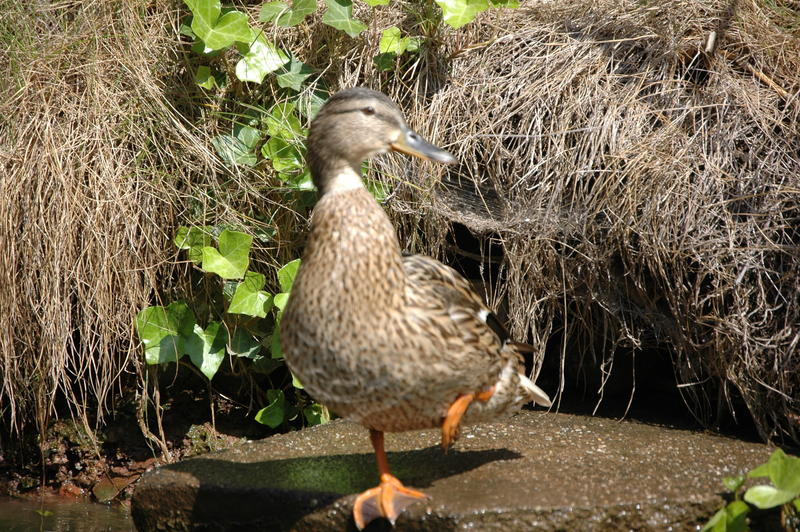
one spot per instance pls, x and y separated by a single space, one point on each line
393 342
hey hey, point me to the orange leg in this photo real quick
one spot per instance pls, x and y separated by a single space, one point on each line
389 498
451 425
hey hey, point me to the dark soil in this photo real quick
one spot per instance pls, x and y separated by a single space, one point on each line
103 468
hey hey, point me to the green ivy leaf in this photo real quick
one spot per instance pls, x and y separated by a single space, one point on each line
294 75
280 300
248 136
285 16
249 298
732 518
340 16
460 12
784 472
262 58
764 497
232 258
275 348
296 382
204 78
287 273
163 331
281 121
233 151
732 484
283 155
206 348
275 412
392 42
244 344
217 31
272 10
309 102
193 239
316 414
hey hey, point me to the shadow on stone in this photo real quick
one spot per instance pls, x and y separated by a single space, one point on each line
275 494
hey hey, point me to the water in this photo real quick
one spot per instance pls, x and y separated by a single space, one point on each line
51 514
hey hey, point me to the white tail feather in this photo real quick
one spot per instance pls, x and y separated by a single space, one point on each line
537 395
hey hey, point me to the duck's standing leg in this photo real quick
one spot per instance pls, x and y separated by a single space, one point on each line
389 498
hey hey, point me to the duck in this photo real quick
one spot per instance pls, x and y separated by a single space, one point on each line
393 342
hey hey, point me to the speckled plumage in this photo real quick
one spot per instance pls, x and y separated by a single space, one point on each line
385 340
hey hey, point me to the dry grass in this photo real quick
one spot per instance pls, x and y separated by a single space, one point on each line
98 161
644 195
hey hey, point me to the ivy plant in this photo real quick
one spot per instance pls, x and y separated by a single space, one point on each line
783 492
248 328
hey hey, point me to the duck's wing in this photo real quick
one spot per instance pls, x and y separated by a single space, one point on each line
450 304
449 310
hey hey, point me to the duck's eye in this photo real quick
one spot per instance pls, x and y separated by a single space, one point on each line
368 110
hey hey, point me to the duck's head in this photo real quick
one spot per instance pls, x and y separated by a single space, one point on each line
354 125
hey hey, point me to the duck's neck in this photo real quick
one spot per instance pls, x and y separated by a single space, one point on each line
353 245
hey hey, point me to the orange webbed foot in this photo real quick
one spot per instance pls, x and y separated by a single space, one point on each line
387 500
451 426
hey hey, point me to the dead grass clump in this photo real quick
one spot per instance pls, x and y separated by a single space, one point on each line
645 191
89 145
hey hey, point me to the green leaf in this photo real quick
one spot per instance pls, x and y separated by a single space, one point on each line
243 344
759 471
287 273
193 239
44 513
280 300
384 62
784 472
732 484
275 412
266 365
340 16
275 341
218 32
298 181
281 121
204 78
163 331
296 382
764 497
796 504
379 190
233 151
248 136
249 297
460 12
392 42
294 75
283 155
206 348
285 16
262 58
732 518
309 102
316 414
373 3
232 258
272 10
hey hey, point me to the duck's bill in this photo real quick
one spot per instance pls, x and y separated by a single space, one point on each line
412 143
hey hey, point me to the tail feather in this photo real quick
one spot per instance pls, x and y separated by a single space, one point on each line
537 394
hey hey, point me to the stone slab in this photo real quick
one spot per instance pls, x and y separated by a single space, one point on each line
538 471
